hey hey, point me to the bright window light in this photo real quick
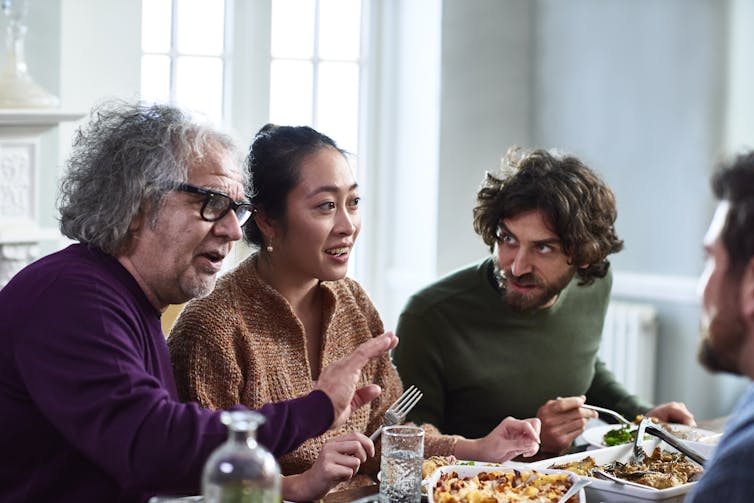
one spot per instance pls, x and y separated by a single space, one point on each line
184 59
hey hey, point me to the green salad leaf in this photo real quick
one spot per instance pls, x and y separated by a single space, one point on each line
619 436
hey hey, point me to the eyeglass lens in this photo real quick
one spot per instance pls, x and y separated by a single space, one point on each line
217 205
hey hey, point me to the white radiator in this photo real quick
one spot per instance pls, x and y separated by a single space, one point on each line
629 345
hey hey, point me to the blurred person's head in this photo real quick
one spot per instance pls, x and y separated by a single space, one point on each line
727 284
158 191
306 202
546 217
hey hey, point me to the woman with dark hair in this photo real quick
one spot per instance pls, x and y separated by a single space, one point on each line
289 309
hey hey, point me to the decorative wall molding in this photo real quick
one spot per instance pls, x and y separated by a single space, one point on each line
658 287
14 257
20 233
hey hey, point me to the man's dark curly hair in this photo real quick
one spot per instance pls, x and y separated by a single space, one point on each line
734 182
576 203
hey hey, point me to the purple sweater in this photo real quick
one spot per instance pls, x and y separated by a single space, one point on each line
88 405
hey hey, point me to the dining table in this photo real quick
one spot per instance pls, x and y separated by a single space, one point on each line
364 493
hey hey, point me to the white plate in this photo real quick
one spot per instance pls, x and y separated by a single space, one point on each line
610 492
470 471
693 435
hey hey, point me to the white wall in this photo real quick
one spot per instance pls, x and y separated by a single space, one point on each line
487 90
739 127
639 90
100 54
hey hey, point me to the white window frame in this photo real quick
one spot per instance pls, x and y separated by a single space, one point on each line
226 57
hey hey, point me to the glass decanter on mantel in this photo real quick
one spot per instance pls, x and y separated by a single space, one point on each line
17 88
241 470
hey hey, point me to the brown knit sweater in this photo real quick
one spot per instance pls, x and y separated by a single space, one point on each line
243 344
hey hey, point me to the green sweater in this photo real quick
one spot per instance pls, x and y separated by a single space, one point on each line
477 362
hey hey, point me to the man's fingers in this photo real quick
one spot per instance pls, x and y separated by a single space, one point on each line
531 430
364 395
535 423
371 349
569 403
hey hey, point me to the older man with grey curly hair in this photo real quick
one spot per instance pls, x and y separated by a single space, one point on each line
90 409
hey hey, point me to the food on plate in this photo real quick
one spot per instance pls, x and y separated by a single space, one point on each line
627 433
434 462
661 470
624 434
619 436
502 486
582 467
690 433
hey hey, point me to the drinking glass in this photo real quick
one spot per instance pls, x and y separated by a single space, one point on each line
241 470
401 464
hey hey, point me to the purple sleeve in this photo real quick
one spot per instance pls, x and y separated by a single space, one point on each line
98 371
289 424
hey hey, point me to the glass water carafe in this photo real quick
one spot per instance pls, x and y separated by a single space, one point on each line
241 470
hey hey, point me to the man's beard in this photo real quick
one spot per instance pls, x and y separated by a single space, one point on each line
539 297
196 287
722 339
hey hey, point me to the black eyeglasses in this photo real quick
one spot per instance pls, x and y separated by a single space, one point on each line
216 204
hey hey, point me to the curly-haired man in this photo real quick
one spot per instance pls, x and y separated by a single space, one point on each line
511 334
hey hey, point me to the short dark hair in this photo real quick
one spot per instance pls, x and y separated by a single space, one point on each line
125 160
578 205
273 166
734 182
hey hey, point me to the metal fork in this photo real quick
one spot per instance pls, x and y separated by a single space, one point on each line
396 413
609 412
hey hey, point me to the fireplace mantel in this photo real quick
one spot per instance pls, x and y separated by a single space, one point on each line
19 118
20 233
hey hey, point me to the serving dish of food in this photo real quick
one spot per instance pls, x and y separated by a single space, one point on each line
471 483
615 434
666 475
432 463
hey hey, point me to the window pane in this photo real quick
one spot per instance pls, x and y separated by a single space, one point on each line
339 28
155 25
338 103
292 28
291 93
200 26
199 86
155 78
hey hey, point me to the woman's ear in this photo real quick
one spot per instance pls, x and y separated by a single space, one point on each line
265 223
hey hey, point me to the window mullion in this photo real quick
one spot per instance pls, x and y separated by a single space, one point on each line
173 49
315 66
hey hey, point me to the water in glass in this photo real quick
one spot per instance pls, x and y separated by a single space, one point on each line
401 464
